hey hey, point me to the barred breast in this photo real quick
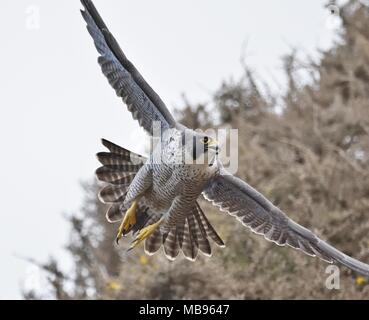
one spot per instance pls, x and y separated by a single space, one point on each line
170 181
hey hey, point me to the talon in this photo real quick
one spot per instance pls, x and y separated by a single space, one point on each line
129 220
144 233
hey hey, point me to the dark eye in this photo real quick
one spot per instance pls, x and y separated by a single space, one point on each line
205 140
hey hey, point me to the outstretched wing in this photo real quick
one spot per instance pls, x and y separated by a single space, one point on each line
142 101
236 197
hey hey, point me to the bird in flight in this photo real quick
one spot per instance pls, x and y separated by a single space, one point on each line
157 201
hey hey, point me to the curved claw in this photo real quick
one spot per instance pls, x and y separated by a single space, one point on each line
144 233
117 240
128 222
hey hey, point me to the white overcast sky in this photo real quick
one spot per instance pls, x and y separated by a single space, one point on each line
55 104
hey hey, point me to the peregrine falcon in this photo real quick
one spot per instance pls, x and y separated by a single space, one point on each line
157 201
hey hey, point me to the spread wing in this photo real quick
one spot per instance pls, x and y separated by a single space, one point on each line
253 210
142 101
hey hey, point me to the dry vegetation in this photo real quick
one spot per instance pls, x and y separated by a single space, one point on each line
312 161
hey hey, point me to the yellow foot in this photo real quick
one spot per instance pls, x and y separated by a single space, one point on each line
144 233
128 221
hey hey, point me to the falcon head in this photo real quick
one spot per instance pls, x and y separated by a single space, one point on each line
189 147
204 149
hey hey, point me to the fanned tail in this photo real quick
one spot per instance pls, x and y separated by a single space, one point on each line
189 236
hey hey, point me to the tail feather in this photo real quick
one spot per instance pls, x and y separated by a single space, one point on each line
210 231
201 236
189 245
180 233
153 243
170 244
191 236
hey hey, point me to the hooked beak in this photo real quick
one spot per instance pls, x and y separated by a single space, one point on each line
213 144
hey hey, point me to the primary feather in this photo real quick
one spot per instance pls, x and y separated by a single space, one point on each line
253 210
142 101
